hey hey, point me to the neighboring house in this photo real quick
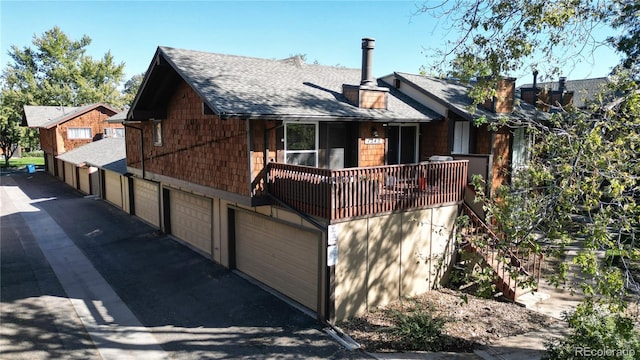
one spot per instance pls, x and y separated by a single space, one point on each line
551 96
99 168
63 128
310 179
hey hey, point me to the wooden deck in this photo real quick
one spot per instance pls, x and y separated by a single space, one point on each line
358 192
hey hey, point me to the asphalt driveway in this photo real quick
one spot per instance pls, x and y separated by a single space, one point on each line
82 279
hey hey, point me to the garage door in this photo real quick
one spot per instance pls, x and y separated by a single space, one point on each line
60 169
51 164
69 174
281 256
113 188
191 219
83 177
146 199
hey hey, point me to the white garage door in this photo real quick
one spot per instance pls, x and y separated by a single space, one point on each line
281 256
146 200
113 188
191 219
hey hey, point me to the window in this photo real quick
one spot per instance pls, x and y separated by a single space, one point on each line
78 133
520 149
157 132
461 138
301 143
114 132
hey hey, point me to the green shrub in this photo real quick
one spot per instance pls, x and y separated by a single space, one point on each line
418 330
596 333
35 154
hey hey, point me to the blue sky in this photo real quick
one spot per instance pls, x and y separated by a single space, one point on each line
326 31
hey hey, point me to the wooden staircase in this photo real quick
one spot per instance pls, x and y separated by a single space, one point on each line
510 265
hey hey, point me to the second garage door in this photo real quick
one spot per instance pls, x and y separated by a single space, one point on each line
191 219
281 256
146 200
113 187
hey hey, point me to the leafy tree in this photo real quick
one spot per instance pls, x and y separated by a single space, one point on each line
582 184
10 132
498 37
55 71
131 88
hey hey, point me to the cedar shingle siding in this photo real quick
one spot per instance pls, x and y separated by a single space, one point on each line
201 149
55 140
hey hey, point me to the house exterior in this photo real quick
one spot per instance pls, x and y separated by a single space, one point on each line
551 96
99 168
63 128
494 153
306 178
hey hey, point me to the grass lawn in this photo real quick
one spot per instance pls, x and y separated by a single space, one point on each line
23 161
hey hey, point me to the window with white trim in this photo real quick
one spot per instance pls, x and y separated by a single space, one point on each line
157 132
78 133
114 132
520 149
461 137
301 143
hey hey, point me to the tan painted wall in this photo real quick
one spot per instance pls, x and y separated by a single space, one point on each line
382 259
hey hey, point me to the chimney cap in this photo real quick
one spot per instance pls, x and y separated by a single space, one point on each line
368 43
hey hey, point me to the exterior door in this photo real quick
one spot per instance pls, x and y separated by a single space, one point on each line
402 144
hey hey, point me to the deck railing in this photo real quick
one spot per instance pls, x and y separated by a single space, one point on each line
356 192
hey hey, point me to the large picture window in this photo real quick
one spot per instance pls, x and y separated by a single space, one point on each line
301 143
78 133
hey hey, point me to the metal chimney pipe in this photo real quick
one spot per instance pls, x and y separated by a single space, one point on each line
562 84
535 87
367 62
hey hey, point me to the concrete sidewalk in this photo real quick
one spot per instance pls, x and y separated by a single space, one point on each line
89 293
